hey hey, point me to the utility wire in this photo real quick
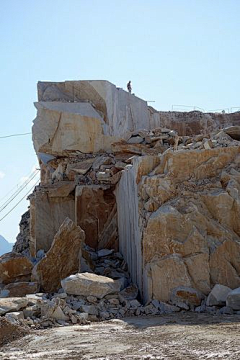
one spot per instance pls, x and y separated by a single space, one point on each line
18 191
8 136
19 201
20 183
17 186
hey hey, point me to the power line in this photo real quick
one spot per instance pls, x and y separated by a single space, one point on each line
18 191
17 186
8 136
19 201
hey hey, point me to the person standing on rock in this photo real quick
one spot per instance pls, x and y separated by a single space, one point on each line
129 87
174 139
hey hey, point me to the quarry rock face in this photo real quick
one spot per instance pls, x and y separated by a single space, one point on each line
186 221
192 239
63 258
162 188
85 115
47 213
14 268
96 213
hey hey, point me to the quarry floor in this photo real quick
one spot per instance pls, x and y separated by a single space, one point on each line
181 336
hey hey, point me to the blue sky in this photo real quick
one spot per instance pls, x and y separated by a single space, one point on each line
174 51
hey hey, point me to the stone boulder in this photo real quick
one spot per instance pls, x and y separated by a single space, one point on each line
218 295
62 259
233 299
184 297
14 268
19 289
88 284
12 304
233 132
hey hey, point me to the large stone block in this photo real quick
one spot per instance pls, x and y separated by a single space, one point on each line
20 289
62 127
12 304
218 295
14 268
48 212
183 295
120 111
88 284
62 259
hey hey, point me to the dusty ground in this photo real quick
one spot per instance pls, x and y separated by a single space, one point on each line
10 332
182 336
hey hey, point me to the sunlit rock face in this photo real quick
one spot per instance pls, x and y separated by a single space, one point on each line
162 188
187 228
85 115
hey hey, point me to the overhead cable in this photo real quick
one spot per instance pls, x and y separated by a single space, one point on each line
8 136
19 201
18 191
17 186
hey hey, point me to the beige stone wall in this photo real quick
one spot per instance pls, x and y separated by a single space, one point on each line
95 211
47 215
192 231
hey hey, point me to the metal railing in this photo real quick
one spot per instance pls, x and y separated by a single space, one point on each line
188 108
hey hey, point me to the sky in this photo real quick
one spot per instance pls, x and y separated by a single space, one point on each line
175 52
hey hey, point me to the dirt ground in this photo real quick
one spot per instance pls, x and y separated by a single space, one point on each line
182 336
10 332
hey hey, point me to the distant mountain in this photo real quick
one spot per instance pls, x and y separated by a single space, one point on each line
5 246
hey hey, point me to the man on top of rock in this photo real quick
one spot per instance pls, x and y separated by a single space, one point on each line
129 87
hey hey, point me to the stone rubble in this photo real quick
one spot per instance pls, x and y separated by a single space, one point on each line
44 310
96 169
103 169
88 297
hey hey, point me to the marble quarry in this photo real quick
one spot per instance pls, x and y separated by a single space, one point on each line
162 189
